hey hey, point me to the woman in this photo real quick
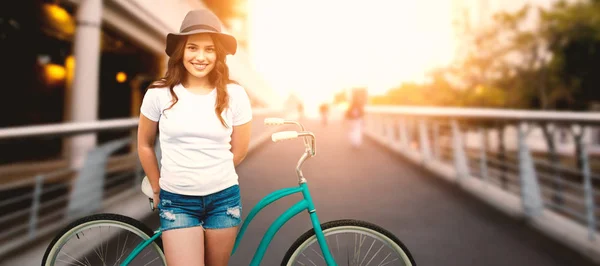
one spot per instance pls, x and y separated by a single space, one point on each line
355 114
204 133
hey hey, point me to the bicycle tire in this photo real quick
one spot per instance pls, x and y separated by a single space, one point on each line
74 228
334 227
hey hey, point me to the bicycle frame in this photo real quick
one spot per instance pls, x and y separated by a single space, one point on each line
304 204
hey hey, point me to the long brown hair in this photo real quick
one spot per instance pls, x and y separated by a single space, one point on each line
218 76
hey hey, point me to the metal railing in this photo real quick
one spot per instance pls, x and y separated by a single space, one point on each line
541 166
35 206
38 205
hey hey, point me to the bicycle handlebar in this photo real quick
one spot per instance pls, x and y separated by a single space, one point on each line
307 136
285 135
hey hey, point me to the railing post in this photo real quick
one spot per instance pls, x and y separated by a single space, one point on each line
391 136
381 130
371 123
460 159
35 206
530 190
587 182
549 129
409 127
436 140
483 155
376 125
88 190
384 129
403 132
424 140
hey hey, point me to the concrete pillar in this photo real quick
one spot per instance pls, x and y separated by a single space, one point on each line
83 99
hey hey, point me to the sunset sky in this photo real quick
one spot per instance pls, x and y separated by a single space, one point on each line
315 48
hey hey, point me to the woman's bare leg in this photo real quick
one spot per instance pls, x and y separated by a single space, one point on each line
184 246
219 244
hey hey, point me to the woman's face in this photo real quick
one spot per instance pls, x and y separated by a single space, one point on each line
200 55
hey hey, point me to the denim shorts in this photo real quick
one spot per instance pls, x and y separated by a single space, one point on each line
219 210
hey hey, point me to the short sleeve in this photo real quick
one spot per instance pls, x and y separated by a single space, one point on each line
242 110
151 105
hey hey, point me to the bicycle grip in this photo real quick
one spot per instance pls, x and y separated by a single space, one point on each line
283 135
273 121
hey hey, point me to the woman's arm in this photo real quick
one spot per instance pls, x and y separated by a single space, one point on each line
240 139
146 138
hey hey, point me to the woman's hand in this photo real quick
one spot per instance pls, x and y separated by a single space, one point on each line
155 199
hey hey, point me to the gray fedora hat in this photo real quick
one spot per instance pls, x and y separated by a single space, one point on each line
201 21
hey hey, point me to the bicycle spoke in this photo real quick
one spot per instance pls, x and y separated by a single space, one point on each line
74 259
88 261
318 254
389 262
337 243
375 255
152 261
117 257
384 259
356 256
309 260
123 250
366 255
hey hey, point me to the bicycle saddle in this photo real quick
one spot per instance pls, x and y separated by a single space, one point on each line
147 188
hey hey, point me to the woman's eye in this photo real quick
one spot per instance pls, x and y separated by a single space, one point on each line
210 49
192 48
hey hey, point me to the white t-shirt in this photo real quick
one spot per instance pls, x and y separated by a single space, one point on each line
196 157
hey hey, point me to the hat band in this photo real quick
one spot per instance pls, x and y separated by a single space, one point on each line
199 27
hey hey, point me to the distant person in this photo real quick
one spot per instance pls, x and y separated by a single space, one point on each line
300 110
205 124
324 110
354 114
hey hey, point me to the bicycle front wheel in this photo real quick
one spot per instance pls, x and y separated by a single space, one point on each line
350 242
103 239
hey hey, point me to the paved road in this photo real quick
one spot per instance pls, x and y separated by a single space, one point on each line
439 223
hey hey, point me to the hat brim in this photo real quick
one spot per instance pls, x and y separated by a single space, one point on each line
229 42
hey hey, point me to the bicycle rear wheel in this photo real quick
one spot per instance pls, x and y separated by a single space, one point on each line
350 242
103 239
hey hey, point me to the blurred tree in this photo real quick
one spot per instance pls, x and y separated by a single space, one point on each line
340 97
573 31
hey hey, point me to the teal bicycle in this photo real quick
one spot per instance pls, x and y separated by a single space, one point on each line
112 239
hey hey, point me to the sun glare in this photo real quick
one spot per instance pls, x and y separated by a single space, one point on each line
315 48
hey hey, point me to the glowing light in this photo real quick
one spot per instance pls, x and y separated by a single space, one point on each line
70 62
54 73
121 77
58 13
70 67
59 19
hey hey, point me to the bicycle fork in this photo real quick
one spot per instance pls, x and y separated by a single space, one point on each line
317 227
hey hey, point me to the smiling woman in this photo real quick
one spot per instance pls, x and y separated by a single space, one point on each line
199 58
324 46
